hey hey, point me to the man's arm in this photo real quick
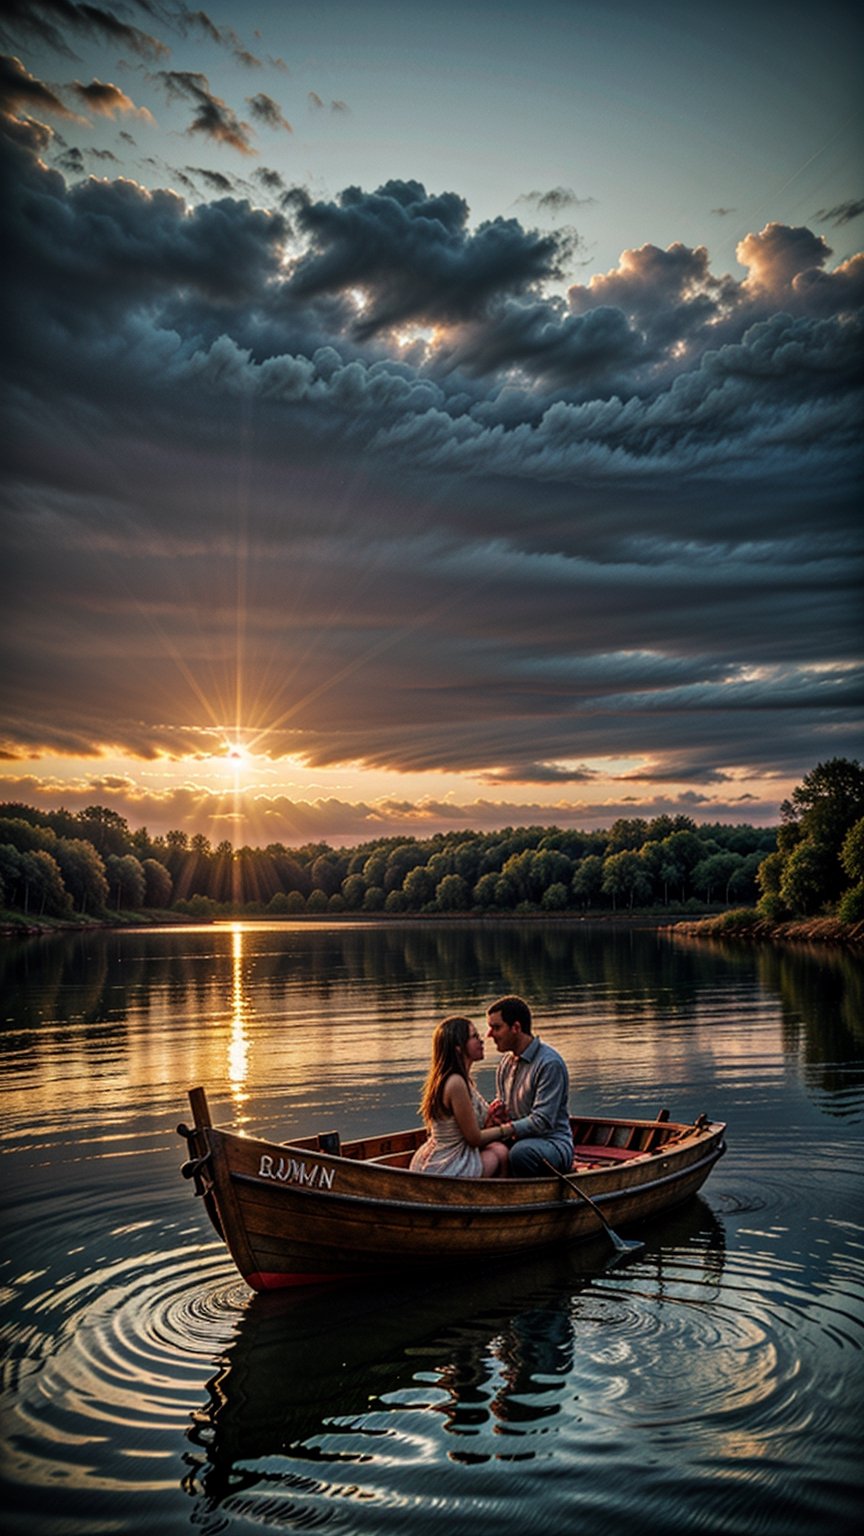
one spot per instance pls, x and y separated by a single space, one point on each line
550 1089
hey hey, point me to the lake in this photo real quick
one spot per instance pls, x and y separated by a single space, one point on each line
714 1384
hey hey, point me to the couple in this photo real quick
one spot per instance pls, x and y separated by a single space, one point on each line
526 1128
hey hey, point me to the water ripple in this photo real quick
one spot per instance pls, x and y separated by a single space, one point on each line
110 1358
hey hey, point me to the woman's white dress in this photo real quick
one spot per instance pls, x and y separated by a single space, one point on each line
447 1152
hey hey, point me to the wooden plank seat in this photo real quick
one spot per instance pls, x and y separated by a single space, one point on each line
392 1159
594 1154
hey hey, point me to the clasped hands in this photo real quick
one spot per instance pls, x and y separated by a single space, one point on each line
497 1115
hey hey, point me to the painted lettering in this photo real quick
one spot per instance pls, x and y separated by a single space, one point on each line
292 1171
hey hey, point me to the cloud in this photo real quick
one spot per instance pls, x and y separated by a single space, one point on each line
476 527
842 213
213 117
272 180
317 104
556 200
261 818
107 100
21 91
43 18
267 111
413 256
216 181
777 255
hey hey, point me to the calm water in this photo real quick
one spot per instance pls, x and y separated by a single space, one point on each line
714 1385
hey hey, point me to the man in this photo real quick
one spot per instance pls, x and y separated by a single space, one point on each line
533 1087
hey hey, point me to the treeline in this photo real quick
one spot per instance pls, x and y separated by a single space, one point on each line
56 863
59 863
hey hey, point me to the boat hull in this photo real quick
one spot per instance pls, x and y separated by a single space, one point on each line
294 1214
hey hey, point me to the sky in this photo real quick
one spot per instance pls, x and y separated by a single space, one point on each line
429 416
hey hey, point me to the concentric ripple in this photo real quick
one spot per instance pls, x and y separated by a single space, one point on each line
109 1360
586 1377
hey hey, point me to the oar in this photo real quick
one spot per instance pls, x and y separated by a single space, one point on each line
620 1244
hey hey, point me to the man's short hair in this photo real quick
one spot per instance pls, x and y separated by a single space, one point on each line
513 1010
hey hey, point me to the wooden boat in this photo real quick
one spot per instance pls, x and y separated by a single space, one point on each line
314 1209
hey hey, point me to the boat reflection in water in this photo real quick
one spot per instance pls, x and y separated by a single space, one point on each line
317 1384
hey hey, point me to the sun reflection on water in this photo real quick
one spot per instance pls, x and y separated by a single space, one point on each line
238 1047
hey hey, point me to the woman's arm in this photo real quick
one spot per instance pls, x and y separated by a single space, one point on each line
458 1100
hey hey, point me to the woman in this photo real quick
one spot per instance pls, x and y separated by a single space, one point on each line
459 1144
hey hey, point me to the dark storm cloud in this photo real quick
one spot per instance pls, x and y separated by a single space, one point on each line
413 256
213 117
113 248
526 534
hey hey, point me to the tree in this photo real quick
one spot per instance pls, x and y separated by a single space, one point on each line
506 895
770 873
106 830
817 818
127 882
587 880
743 887
10 873
325 875
681 852
83 873
716 873
44 891
483 894
158 885
353 891
852 852
419 887
624 875
828 801
24 836
375 869
453 894
627 833
807 874
400 860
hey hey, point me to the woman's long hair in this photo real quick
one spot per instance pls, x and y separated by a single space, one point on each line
449 1044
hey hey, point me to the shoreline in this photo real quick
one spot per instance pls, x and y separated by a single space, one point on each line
756 930
714 925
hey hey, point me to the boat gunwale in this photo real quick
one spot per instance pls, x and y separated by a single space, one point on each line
459 1211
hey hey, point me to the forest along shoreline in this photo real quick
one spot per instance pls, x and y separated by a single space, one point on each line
802 881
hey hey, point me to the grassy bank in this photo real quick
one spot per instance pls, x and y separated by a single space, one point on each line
746 923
